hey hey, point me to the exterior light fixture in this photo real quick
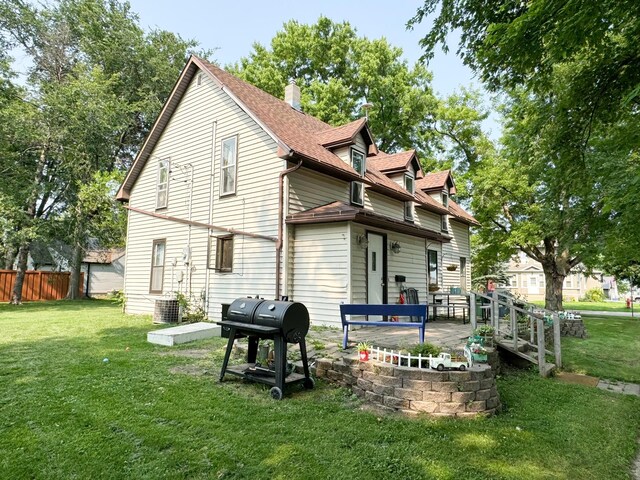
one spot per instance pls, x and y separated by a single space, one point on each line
395 247
362 241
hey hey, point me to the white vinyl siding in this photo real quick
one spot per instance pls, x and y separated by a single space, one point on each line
308 189
459 246
188 139
319 270
105 277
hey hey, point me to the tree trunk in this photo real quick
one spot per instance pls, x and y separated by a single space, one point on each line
23 258
10 258
554 282
74 278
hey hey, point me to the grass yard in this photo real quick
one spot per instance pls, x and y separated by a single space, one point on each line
595 306
612 350
159 412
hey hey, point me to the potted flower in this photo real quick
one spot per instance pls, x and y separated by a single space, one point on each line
452 268
486 333
363 351
479 353
433 287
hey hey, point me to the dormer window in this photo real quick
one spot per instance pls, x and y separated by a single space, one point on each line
409 185
445 199
358 162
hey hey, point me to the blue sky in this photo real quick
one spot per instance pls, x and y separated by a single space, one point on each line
233 27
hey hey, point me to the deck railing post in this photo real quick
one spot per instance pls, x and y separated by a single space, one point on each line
557 346
472 311
514 324
541 347
495 313
532 327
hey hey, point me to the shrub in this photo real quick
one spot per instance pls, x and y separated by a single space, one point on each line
426 349
594 295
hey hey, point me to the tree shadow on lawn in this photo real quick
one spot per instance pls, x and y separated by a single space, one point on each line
132 407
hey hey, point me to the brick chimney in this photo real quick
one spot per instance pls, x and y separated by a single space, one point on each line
292 95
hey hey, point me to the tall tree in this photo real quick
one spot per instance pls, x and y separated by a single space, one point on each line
96 83
339 72
572 72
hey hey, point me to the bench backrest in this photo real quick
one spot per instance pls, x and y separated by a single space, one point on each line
409 310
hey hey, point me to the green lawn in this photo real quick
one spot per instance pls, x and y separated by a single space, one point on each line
595 306
159 412
612 350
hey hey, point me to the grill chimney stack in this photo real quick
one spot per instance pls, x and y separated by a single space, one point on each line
292 95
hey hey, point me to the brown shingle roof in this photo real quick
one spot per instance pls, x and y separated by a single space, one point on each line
103 256
460 214
340 135
435 180
395 161
428 203
341 212
296 133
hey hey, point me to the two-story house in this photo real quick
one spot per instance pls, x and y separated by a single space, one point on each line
237 193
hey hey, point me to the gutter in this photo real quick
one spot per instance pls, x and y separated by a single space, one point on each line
279 242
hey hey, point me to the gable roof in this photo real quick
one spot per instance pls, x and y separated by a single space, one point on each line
343 135
296 133
103 256
462 215
436 181
342 212
395 162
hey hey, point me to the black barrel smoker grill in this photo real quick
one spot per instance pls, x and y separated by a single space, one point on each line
258 319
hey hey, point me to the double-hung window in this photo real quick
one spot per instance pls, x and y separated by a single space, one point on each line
432 267
162 184
358 162
445 225
157 266
409 186
229 166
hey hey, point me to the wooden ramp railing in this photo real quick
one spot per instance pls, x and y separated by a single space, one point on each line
525 330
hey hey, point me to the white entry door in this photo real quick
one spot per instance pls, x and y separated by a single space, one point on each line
375 271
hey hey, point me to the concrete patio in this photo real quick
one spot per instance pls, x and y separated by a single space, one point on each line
327 342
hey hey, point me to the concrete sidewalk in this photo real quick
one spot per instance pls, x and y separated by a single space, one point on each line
636 313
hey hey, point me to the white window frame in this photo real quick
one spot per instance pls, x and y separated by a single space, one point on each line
157 265
445 199
410 186
163 187
444 226
231 166
363 166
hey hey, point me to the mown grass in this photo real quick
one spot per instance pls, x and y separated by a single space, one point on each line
159 412
595 306
612 350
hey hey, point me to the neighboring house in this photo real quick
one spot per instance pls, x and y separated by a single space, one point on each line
526 278
103 271
237 193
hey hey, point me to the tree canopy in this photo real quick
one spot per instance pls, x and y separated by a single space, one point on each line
568 165
95 83
339 72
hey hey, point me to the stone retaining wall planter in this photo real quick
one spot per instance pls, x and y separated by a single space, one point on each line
573 328
413 390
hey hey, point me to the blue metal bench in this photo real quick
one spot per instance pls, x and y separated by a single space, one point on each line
402 310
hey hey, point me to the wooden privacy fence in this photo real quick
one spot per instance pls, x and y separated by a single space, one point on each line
38 285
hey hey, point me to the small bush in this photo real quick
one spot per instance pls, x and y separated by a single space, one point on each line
594 295
426 349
